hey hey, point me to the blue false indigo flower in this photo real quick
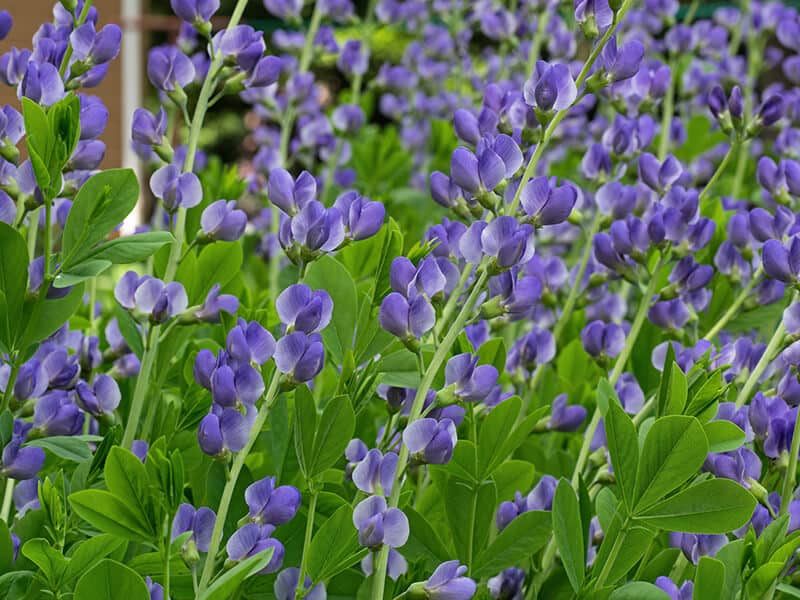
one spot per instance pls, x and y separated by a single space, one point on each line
93 117
41 83
232 387
150 130
170 70
299 356
353 59
407 319
446 583
56 414
511 296
657 176
620 63
348 118
537 347
374 473
87 156
669 314
251 539
718 105
603 340
26 496
6 22
216 303
765 226
781 262
466 381
363 218
241 46
151 297
448 194
250 343
762 410
770 112
175 189
779 434
396 565
565 418
286 586
616 200
546 203
155 590
288 10
378 525
32 380
200 522
507 585
431 441
596 163
478 175
17 462
302 309
92 48
505 240
139 448
695 546
551 88
222 221
225 430
197 13
685 592
271 505
101 398
312 231
741 465
594 16
781 180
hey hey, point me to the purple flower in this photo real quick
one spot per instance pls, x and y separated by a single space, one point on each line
199 521
512 296
225 430
623 62
545 203
195 12
781 262
13 65
176 189
603 339
354 58
696 545
551 87
659 176
102 397
252 539
565 418
537 347
504 239
155 590
95 48
93 115
314 228
139 448
169 69
363 218
469 381
288 194
271 505
741 465
286 586
348 118
594 16
56 414
300 356
222 221
302 309
18 462
26 496
378 525
241 46
448 583
147 128
431 441
395 567
151 297
41 83
477 174
6 23
374 473
685 592
408 320
250 343
216 303
287 10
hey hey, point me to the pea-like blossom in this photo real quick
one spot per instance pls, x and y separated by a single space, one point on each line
378 525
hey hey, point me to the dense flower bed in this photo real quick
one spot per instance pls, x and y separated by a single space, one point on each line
511 316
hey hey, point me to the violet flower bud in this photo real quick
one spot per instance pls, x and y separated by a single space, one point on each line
6 22
93 116
431 441
565 418
378 525
286 586
507 585
685 592
780 262
446 583
551 87
253 539
216 303
17 462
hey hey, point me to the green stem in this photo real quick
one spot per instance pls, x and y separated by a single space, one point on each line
735 145
312 507
733 310
62 69
444 320
687 20
619 542
12 379
92 301
538 39
530 169
142 386
790 477
8 495
227 492
776 342
439 357
33 230
166 567
668 110
48 245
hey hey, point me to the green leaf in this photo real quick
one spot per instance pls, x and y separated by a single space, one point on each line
218 263
13 283
789 590
225 586
673 451
64 446
733 556
6 548
492 436
637 540
126 476
423 541
623 446
132 248
639 590
334 431
90 551
524 536
48 559
493 352
44 318
335 546
104 511
129 329
710 572
723 436
662 399
771 539
87 269
330 275
711 506
100 205
305 425
110 580
763 578
568 534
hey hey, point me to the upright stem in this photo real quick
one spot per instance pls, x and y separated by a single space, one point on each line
733 310
735 145
62 69
312 507
447 312
8 496
530 169
790 476
166 567
48 245
33 230
668 110
145 371
227 493
416 409
619 542
774 345
538 39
